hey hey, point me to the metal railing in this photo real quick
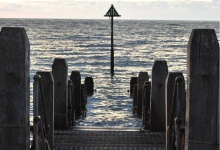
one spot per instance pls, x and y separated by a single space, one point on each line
70 115
174 129
40 125
135 99
146 109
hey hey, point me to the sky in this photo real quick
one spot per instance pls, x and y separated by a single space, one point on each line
128 9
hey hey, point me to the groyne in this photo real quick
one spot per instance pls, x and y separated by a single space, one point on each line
188 115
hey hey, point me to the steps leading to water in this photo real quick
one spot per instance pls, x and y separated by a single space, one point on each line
85 138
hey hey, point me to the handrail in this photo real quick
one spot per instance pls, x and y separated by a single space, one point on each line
70 105
144 106
38 89
43 136
43 105
36 117
145 109
135 99
175 110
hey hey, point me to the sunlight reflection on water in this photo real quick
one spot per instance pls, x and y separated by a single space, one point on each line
85 44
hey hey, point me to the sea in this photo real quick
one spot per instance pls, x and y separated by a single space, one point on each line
85 44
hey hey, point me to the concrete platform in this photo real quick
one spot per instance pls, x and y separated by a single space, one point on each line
91 138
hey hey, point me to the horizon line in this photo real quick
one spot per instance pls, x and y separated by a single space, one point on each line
106 19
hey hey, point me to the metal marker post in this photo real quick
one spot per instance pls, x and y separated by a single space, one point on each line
112 13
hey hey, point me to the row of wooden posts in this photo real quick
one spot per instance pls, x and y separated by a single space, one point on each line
65 99
62 96
155 103
202 106
152 100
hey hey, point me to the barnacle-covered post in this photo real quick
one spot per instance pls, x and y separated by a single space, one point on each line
112 13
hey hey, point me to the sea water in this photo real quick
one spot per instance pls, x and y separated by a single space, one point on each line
85 44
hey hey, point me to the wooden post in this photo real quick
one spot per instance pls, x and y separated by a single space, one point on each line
89 85
60 73
169 89
202 91
133 81
14 89
48 88
159 75
146 105
76 79
142 77
83 98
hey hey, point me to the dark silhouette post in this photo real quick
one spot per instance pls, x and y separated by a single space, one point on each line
112 13
157 103
60 76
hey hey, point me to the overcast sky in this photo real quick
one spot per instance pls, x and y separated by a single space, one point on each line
96 9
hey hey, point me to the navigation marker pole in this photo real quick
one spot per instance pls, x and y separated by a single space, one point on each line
112 13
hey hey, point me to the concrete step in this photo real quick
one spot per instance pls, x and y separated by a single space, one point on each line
87 138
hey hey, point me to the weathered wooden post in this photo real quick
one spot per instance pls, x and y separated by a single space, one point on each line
60 73
76 79
14 89
146 105
48 88
202 91
142 77
169 93
89 85
133 81
159 74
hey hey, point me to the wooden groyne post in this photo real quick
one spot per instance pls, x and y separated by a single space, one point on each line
202 91
89 85
60 75
14 89
48 89
133 81
142 77
159 75
83 98
75 77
